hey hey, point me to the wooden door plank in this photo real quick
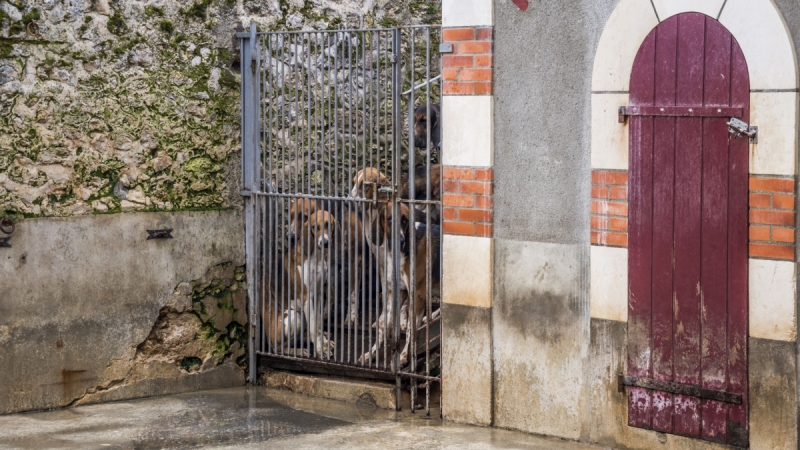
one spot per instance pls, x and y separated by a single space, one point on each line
738 249
640 231
714 286
686 308
663 187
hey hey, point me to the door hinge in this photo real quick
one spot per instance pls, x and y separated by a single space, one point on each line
688 390
740 128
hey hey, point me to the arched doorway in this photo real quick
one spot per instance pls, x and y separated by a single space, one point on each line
688 233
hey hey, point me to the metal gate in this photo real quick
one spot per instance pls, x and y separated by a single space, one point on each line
341 145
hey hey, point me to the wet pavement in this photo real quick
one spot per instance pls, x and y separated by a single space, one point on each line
250 418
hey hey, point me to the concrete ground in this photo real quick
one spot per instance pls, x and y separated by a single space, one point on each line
250 417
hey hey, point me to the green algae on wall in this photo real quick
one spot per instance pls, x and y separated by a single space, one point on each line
116 106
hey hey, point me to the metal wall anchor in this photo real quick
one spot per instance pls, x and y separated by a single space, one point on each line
7 225
159 234
740 128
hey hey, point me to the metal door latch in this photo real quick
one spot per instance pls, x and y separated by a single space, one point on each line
739 128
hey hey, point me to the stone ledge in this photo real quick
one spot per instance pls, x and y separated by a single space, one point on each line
376 394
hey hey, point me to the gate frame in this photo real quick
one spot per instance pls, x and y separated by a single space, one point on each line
250 51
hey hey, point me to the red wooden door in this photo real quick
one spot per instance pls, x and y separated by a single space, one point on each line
688 226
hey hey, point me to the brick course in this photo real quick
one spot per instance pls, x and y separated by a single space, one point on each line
609 220
467 201
772 218
469 69
772 214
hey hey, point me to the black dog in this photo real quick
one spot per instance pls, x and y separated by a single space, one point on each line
421 126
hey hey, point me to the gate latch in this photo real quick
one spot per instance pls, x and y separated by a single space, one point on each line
739 128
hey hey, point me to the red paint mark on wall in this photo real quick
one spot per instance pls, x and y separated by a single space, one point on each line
522 4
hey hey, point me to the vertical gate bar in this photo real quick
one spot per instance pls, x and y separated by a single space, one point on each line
441 240
250 149
266 177
333 102
337 151
380 305
429 233
411 316
374 127
366 158
397 122
348 148
304 185
285 327
338 278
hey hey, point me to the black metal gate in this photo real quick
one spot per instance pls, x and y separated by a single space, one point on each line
341 145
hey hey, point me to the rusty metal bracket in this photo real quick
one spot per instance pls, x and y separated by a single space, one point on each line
159 234
689 390
678 111
32 28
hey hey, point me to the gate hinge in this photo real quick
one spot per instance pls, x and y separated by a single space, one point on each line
246 193
740 128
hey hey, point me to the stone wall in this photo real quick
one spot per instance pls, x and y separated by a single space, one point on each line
109 106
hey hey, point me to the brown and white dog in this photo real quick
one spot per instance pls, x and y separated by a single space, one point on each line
349 246
308 269
421 121
418 278
421 188
372 184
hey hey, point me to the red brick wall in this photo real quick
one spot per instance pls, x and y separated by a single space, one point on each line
772 217
467 201
468 70
609 220
772 213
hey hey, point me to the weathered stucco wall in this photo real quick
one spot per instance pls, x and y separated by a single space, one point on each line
114 106
540 319
91 310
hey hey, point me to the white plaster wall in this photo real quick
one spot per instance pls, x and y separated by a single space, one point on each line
467 13
761 32
773 290
775 114
609 137
467 130
608 290
467 270
628 26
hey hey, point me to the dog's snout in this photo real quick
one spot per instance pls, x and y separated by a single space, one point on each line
324 242
290 236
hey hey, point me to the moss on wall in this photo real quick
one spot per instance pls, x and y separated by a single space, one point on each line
118 106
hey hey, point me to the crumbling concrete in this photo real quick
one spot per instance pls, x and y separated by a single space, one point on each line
92 311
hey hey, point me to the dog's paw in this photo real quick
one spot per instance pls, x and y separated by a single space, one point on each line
351 320
363 359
